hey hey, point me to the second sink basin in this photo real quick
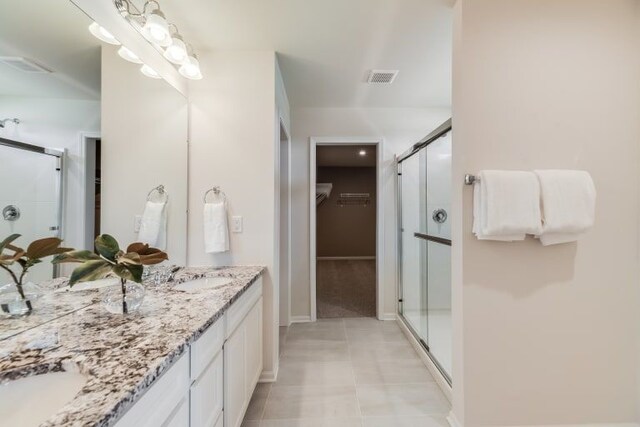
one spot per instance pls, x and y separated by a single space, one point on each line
204 283
32 400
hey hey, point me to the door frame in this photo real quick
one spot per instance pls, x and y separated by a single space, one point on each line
281 126
85 175
378 142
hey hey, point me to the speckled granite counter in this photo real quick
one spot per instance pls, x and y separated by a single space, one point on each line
121 355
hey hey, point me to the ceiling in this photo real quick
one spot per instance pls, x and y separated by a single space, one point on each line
55 35
326 48
346 156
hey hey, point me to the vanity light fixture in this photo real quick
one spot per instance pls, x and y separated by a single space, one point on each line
177 51
149 72
102 34
153 25
191 66
126 54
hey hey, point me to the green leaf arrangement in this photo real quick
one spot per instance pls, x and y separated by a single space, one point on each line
109 258
36 251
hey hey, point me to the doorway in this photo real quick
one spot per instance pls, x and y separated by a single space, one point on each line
345 224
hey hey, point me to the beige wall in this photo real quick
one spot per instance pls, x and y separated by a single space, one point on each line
548 335
144 144
347 231
400 128
233 144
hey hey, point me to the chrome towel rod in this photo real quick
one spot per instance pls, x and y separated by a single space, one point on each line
471 179
216 191
161 191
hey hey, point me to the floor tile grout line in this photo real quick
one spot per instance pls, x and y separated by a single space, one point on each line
355 382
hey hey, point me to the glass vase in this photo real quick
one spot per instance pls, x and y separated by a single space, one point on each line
13 304
124 299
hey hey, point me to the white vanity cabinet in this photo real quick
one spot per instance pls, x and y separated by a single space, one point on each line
242 355
212 383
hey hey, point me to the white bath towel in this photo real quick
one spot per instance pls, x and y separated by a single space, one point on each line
216 230
506 205
568 205
153 226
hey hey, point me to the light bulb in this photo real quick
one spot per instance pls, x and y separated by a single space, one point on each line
102 34
149 72
156 29
177 51
126 54
191 68
362 153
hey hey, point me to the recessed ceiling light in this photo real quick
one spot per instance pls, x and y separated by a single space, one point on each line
362 153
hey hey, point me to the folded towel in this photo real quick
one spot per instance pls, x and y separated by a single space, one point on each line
216 231
568 205
153 226
506 205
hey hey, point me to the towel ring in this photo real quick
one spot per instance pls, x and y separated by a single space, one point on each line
161 192
216 191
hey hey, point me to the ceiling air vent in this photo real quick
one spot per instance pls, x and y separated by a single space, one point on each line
382 76
23 64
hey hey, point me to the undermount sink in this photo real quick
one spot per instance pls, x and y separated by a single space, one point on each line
30 401
94 284
204 283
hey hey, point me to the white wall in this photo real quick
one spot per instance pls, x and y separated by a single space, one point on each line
548 335
233 144
144 144
400 129
55 123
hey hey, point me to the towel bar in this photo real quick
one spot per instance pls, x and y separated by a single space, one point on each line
161 192
216 191
471 179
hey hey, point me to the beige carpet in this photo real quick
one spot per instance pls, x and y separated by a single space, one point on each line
346 288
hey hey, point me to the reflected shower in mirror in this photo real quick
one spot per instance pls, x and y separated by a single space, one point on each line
83 139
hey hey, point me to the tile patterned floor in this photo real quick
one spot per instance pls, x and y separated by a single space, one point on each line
353 372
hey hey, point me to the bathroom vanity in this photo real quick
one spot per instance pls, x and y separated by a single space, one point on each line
190 357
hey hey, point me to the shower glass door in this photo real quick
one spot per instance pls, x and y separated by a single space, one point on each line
424 180
30 198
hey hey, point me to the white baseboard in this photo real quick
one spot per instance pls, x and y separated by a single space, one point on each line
269 376
300 319
387 316
452 420
344 258
442 383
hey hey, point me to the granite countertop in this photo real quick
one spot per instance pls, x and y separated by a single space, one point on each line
120 355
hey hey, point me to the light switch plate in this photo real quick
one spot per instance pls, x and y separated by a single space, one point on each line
236 224
137 221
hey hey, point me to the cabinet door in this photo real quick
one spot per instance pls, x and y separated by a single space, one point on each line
253 345
206 395
180 417
235 377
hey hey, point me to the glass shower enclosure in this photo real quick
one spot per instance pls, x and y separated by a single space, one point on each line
424 258
31 197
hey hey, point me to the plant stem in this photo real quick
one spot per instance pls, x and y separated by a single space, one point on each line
124 294
18 283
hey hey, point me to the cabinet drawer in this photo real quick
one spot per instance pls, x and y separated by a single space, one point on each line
206 347
180 417
156 406
242 306
206 395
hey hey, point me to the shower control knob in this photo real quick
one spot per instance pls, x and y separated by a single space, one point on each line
439 216
11 213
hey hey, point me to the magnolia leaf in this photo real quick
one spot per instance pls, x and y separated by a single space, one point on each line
138 247
8 241
10 259
107 247
129 272
155 258
45 247
90 270
75 256
130 258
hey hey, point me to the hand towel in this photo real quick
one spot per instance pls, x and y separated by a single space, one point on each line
506 205
153 226
216 231
568 205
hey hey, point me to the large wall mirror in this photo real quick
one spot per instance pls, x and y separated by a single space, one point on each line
85 138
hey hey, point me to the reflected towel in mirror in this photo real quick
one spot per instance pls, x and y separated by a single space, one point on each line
153 226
